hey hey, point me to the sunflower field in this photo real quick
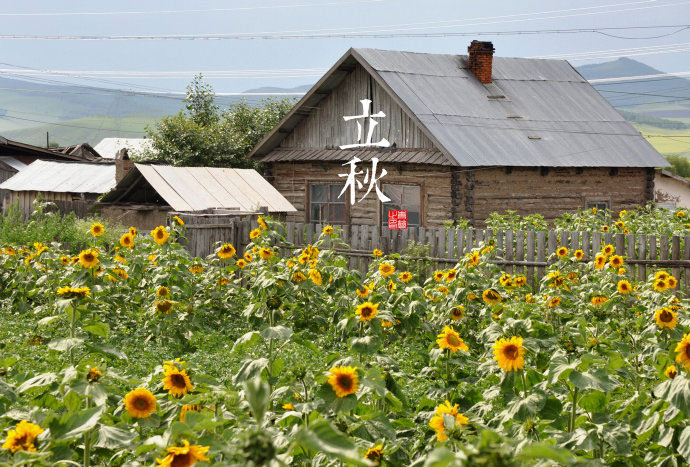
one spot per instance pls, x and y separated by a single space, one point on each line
142 355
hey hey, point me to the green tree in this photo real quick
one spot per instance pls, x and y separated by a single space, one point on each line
204 135
680 165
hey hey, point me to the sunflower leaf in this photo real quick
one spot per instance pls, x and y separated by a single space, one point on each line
323 437
676 391
247 340
112 437
250 369
64 345
257 394
366 345
279 333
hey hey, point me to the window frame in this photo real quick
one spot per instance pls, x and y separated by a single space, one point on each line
422 214
589 201
307 204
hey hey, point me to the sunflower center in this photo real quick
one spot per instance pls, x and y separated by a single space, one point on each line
178 381
159 234
88 257
453 341
511 351
366 311
182 460
141 404
345 382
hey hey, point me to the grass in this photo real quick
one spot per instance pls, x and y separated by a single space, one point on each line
673 142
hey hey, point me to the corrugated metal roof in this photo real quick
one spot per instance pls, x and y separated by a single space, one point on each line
549 115
201 188
63 177
401 155
14 163
108 147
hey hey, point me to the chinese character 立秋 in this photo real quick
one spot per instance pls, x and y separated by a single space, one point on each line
368 118
373 181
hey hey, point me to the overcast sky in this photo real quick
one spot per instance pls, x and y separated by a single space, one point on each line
50 17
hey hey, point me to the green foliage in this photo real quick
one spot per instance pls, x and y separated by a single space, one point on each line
680 165
205 135
653 121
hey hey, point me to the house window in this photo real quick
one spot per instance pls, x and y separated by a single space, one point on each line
599 204
324 204
403 197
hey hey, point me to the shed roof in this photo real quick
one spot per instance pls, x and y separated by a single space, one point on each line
13 163
63 177
108 147
535 113
201 188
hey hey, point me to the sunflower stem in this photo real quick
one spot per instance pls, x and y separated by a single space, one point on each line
524 383
87 443
573 413
448 365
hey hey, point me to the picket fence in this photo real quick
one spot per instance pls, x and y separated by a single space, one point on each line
517 252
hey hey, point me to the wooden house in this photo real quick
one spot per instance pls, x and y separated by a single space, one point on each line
459 136
671 191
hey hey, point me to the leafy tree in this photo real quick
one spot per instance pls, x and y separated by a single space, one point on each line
680 165
204 135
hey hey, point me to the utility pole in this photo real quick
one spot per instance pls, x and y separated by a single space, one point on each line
47 141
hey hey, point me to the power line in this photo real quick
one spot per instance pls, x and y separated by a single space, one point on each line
73 126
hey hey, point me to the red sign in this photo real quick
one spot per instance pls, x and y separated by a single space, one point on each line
397 220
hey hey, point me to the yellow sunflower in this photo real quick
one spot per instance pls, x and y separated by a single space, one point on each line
120 259
363 291
666 318
660 285
140 403
248 257
88 258
367 311
608 250
680 214
315 277
506 280
262 223
266 253
163 306
94 375
160 235
616 261
491 297
288 406
176 381
600 261
97 229
344 380
241 263
133 231
256 233
439 276
554 302
298 276
579 254
22 437
163 292
438 424
451 275
457 313
620 224
405 276
672 282
72 292
374 454
386 269
226 251
604 228
449 339
683 350
671 372
184 456
520 281
598 300
377 252
472 259
65 260
187 408
127 240
663 275
509 353
328 230
391 286
178 221
443 290
624 287
562 252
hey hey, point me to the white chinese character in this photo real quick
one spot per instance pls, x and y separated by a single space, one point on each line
373 181
366 116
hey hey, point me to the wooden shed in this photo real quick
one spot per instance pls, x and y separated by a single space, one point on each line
145 194
460 136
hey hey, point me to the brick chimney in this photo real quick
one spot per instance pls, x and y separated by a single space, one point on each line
122 164
481 56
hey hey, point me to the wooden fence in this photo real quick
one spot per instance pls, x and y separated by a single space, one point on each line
517 252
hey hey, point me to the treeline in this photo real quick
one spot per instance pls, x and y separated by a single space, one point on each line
652 121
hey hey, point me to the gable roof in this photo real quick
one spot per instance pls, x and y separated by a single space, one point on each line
63 177
535 113
15 148
201 188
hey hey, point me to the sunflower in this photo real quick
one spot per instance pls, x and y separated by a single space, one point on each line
377 252
622 214
519 281
624 287
72 292
598 300
660 285
184 456
88 258
226 251
663 275
97 229
140 403
666 318
608 250
449 339
288 406
672 282
303 259
604 228
266 253
509 353
248 257
562 252
133 231
262 223
572 276
616 261
680 214
176 381
22 437
405 276
457 313
120 259
600 261
671 372
344 380
187 408
374 454
127 240
471 296
491 297
438 422
367 311
298 276
621 271
683 350
505 280
94 375
439 276
363 291
196 269
65 260
160 235
328 230
254 234
241 263
529 298
554 302
315 276
178 221
451 275
620 224
386 269
472 259
121 273
164 306
391 286
163 292
223 281
594 210
443 290
579 254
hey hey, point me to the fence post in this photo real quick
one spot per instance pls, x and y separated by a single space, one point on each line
530 256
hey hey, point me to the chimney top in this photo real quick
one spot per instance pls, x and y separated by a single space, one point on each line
481 59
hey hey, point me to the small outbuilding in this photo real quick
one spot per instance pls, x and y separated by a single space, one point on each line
73 186
671 191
